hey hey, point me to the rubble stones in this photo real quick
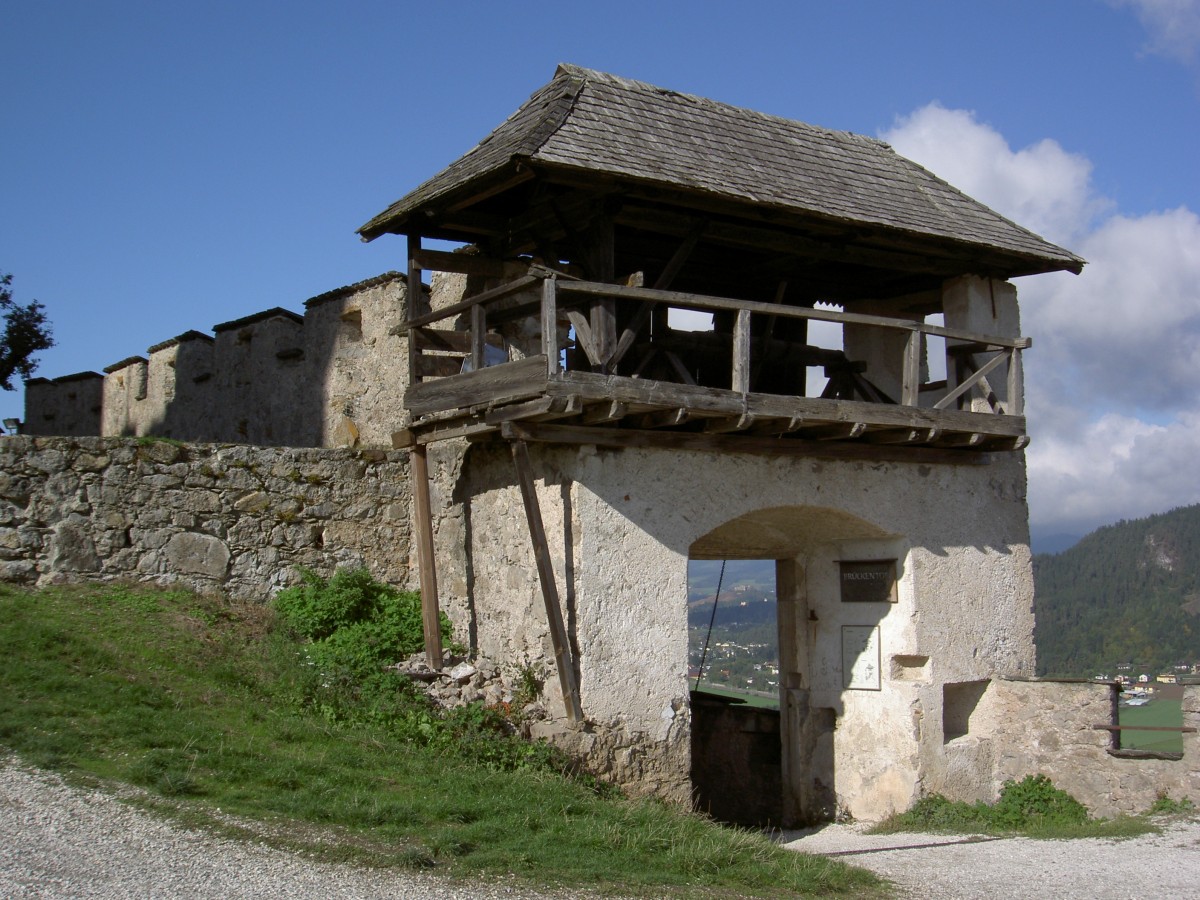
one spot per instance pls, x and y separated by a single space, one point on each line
459 682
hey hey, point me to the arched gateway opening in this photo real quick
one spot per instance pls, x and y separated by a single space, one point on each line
757 763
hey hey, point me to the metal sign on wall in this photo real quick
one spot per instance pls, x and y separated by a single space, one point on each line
868 581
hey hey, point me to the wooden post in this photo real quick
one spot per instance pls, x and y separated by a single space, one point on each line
478 336
910 390
1016 384
430 617
412 304
541 553
741 352
602 257
795 691
550 326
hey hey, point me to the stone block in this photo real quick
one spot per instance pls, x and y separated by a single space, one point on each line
72 550
197 554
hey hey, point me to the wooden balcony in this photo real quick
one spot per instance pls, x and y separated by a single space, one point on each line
603 367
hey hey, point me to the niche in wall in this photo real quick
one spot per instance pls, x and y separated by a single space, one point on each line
960 702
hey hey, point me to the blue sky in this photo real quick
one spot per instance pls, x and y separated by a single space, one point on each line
173 166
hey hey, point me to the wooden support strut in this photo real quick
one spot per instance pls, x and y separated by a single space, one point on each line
430 613
541 552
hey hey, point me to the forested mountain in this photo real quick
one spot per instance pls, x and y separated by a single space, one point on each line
1126 593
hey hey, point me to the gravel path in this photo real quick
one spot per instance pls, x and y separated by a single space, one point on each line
60 841
1158 866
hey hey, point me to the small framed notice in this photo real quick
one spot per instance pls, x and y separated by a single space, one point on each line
860 657
868 581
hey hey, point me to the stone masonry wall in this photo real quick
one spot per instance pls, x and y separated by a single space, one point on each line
69 405
1047 728
242 520
334 377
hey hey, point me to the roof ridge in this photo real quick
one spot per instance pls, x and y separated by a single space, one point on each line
556 116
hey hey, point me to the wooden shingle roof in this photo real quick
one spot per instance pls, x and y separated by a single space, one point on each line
593 124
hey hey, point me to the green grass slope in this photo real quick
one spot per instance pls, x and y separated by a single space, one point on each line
215 711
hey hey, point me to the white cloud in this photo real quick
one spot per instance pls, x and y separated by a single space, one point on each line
1113 405
1042 187
1172 25
1129 327
1112 468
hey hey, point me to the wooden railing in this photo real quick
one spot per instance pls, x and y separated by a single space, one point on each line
561 300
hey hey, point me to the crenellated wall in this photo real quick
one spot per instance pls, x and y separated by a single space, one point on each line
332 377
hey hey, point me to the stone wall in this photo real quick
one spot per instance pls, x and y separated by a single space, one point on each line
1021 728
334 377
70 405
238 519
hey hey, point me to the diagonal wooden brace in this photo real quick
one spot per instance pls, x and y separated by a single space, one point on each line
541 553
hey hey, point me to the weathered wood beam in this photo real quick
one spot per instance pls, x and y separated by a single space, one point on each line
469 264
1008 443
729 424
511 381
965 440
740 379
541 553
542 409
479 336
450 341
979 375
462 306
430 613
910 390
583 335
444 431
902 436
550 326
840 432
666 418
1015 404
779 426
706 303
684 440
593 387
604 413
412 298
680 369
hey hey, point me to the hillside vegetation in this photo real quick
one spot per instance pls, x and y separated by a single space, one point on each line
218 711
1126 593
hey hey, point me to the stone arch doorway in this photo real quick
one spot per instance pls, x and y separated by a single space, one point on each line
754 766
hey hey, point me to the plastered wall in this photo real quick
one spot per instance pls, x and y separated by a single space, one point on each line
621 526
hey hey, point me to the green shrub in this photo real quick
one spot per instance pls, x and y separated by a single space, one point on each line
1032 806
1035 801
1164 805
354 628
317 608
